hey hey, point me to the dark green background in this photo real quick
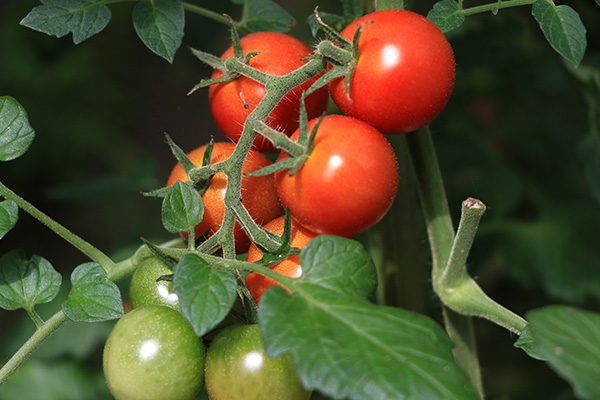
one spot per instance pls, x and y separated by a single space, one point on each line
516 135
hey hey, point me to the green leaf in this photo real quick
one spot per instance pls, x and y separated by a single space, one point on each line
346 347
182 208
16 134
353 9
23 283
206 294
92 298
83 18
589 152
563 29
569 340
9 214
529 345
446 15
338 264
265 15
160 24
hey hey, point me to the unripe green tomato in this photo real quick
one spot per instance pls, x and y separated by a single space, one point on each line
238 368
153 353
146 289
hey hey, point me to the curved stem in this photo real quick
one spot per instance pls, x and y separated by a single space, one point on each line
40 335
85 247
496 6
206 13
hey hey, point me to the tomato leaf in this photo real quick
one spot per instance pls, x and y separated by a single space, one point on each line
82 18
337 22
569 340
16 134
206 294
264 15
562 28
9 214
160 24
338 264
346 347
93 298
446 15
25 283
182 208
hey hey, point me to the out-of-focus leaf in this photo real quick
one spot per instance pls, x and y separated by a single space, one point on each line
93 298
589 152
264 15
16 134
83 18
569 340
446 15
9 214
563 29
160 24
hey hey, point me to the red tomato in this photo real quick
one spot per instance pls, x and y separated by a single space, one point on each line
404 75
233 101
300 236
348 182
258 193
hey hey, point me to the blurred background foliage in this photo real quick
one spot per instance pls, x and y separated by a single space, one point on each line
520 133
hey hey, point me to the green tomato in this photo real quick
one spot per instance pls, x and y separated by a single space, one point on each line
153 353
238 368
146 289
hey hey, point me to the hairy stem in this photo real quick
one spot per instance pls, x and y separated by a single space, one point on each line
496 6
85 247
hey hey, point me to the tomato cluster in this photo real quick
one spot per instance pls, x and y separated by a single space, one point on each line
343 183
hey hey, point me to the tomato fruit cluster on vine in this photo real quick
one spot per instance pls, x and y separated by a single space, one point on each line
400 80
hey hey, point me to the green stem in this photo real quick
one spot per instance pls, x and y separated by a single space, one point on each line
441 237
43 332
86 248
496 6
206 13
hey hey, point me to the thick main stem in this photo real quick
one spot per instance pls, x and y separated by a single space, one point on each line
441 238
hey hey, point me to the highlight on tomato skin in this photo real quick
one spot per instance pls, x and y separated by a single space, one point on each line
232 102
347 184
256 283
404 75
258 193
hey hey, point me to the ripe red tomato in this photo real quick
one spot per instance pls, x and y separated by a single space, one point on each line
348 182
300 236
258 193
404 75
233 101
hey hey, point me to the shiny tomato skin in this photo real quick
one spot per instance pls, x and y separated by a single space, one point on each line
256 283
405 72
232 102
153 353
238 368
347 184
258 193
146 288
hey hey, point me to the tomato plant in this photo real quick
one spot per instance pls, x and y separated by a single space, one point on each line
299 237
233 101
258 193
238 368
350 312
147 287
153 353
348 182
404 73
